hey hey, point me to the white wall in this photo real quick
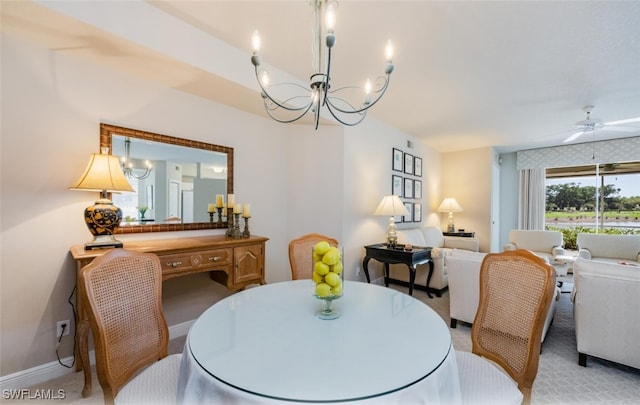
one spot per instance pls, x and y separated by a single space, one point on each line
467 176
52 105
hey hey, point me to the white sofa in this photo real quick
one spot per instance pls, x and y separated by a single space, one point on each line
442 245
609 248
464 288
606 310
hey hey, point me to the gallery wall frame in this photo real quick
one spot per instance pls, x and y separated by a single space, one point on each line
408 188
417 166
408 163
417 189
397 185
409 207
398 160
417 212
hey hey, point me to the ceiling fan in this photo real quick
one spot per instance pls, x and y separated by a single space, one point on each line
590 124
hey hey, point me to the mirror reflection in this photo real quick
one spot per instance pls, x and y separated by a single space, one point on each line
175 179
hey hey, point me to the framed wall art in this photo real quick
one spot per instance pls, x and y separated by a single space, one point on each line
417 189
398 160
408 188
409 207
417 212
417 166
396 185
408 163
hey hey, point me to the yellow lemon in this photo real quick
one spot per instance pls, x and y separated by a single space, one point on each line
332 279
332 256
337 290
321 268
336 268
323 290
321 247
317 278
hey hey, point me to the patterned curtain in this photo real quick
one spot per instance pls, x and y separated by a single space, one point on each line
532 199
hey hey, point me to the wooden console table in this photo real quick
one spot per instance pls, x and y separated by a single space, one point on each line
236 263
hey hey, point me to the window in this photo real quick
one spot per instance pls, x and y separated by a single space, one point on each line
575 194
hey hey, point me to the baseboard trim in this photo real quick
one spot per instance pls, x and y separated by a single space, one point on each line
49 371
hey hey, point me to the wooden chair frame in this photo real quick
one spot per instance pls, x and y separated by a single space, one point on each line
122 295
300 254
508 324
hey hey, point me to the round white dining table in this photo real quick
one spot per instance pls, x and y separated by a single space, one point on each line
265 345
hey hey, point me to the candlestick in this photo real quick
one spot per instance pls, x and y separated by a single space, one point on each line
236 226
219 209
245 233
210 216
229 232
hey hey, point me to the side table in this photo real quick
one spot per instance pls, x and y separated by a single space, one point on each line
460 234
398 255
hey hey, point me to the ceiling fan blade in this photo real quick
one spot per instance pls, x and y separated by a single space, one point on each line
622 122
573 137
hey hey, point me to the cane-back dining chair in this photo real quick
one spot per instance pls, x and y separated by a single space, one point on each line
516 289
122 294
300 258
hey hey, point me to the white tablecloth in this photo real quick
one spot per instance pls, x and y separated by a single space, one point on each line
264 345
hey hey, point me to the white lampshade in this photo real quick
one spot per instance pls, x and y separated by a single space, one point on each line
391 205
450 205
103 173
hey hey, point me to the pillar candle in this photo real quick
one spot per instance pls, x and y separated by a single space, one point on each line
246 211
219 201
211 208
231 200
237 208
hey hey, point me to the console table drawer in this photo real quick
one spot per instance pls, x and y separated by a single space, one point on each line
191 261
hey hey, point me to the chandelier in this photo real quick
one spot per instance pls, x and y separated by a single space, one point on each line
297 104
127 164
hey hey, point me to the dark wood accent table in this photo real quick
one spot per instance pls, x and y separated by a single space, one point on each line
383 254
460 234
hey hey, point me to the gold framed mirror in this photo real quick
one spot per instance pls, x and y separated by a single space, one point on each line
175 180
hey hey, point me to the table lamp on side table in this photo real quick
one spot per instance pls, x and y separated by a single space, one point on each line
391 205
450 205
103 174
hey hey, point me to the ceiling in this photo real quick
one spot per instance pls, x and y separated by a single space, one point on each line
468 74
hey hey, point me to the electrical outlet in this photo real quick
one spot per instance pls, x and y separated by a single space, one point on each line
358 271
59 329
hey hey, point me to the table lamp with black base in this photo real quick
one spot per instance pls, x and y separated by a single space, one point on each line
103 174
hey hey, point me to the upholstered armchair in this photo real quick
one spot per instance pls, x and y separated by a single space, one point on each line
463 268
546 244
606 310
442 246
609 248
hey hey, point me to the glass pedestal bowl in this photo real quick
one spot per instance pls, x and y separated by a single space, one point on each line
328 277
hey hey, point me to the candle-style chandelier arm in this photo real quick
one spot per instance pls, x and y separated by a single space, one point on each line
335 112
321 94
270 105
